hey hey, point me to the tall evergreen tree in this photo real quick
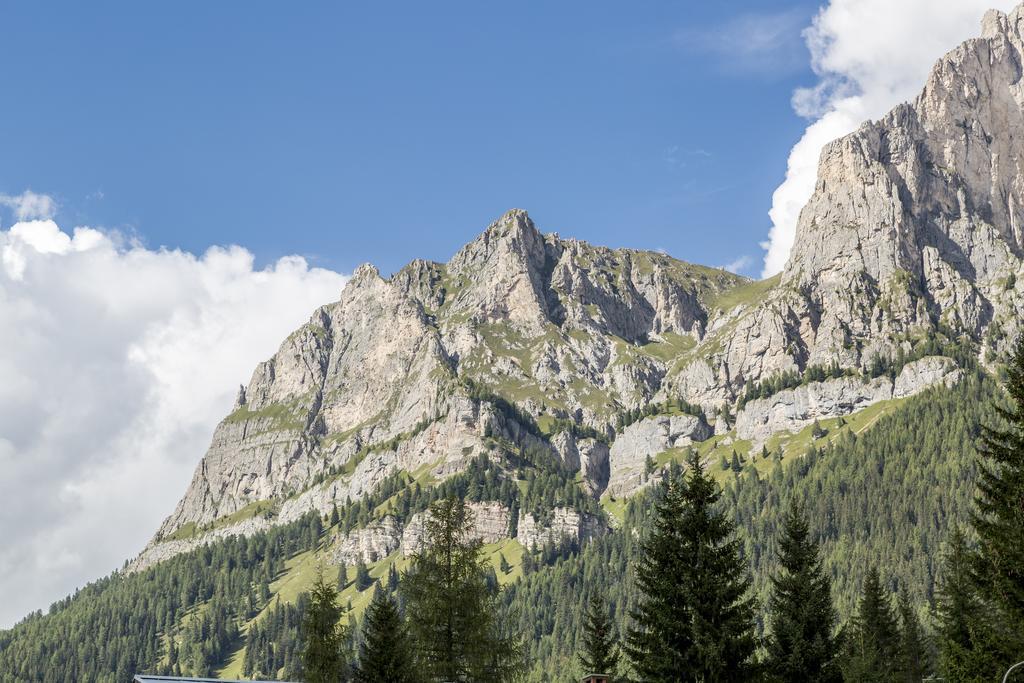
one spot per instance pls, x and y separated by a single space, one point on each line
735 462
600 650
962 625
802 645
323 656
452 613
914 653
363 579
386 653
694 620
873 644
998 564
392 579
342 577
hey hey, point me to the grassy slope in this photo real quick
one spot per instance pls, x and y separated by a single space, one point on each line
301 570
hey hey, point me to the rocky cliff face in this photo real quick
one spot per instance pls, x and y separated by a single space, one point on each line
931 229
558 327
528 343
491 523
793 409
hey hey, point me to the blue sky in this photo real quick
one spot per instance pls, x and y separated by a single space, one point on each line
352 132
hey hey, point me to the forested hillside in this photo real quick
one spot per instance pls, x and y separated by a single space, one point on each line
885 496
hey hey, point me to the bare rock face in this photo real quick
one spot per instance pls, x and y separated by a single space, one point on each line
594 465
528 316
793 409
925 373
376 541
490 525
649 437
563 524
918 217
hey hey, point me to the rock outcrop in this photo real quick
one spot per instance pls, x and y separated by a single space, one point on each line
561 524
648 438
793 409
491 524
374 542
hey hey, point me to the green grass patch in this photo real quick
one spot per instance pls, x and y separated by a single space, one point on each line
669 348
253 509
274 417
513 551
746 294
184 532
614 507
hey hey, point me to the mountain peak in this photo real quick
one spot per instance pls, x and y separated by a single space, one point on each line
920 215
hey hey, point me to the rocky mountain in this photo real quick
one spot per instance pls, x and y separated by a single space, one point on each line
612 362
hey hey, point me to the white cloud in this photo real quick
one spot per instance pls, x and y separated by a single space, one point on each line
117 361
738 265
763 43
30 206
869 55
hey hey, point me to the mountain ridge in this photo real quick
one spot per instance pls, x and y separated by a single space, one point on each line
911 240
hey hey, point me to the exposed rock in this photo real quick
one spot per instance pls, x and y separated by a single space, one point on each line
649 437
925 373
490 524
594 465
929 198
561 524
376 541
793 409
916 225
163 551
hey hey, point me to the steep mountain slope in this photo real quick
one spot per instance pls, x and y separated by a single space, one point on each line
521 340
603 358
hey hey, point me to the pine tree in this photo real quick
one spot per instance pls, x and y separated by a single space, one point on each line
323 657
392 579
874 640
334 518
453 620
963 622
735 462
363 580
694 619
386 653
998 564
342 577
913 648
600 651
802 645
503 564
